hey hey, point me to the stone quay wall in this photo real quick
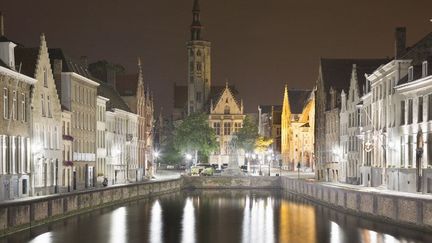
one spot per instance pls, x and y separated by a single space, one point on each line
396 209
23 214
225 182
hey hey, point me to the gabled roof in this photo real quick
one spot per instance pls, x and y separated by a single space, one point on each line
115 100
298 100
420 51
336 73
127 84
68 65
26 60
181 92
217 91
104 89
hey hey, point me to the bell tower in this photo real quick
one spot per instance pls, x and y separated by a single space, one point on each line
199 65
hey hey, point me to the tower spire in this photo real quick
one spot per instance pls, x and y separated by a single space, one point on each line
196 26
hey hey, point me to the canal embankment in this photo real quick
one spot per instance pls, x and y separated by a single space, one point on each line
24 214
397 208
401 209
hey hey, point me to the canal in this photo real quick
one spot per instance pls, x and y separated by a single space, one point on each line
246 216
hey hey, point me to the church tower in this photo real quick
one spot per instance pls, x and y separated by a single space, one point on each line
199 70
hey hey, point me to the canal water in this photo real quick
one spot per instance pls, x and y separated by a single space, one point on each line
218 217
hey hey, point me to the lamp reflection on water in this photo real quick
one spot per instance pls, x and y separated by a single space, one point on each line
156 223
188 223
258 220
118 226
43 238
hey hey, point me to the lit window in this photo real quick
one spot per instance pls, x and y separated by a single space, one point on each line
14 105
5 103
23 108
45 77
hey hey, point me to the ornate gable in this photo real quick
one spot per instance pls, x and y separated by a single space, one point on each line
227 104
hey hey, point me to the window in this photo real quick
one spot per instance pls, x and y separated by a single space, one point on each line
217 126
5 103
45 77
49 106
402 119
429 148
410 73
410 111
14 105
43 104
237 126
227 110
429 107
199 66
420 110
424 69
23 108
227 128
199 53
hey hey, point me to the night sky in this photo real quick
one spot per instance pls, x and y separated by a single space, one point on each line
257 45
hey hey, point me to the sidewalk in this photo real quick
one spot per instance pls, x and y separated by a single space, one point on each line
160 176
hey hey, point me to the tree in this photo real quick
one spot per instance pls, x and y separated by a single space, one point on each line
195 136
247 135
262 144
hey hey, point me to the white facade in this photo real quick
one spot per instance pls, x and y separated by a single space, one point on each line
122 146
101 152
46 127
68 173
79 96
15 152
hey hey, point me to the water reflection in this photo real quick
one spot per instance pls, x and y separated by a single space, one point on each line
335 233
188 223
118 226
219 217
258 220
156 223
296 222
43 238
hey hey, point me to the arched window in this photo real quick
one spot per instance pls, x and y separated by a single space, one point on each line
227 110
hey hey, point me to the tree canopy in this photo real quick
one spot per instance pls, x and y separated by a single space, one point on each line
195 135
247 135
262 144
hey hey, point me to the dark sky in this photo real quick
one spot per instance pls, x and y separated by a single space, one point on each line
258 45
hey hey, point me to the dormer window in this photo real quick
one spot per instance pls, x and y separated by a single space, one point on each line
410 73
424 69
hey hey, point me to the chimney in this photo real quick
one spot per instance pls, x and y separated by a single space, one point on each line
1 24
111 77
84 61
400 41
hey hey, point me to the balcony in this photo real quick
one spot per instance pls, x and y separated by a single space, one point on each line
68 163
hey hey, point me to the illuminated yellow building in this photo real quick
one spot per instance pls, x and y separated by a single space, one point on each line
298 116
